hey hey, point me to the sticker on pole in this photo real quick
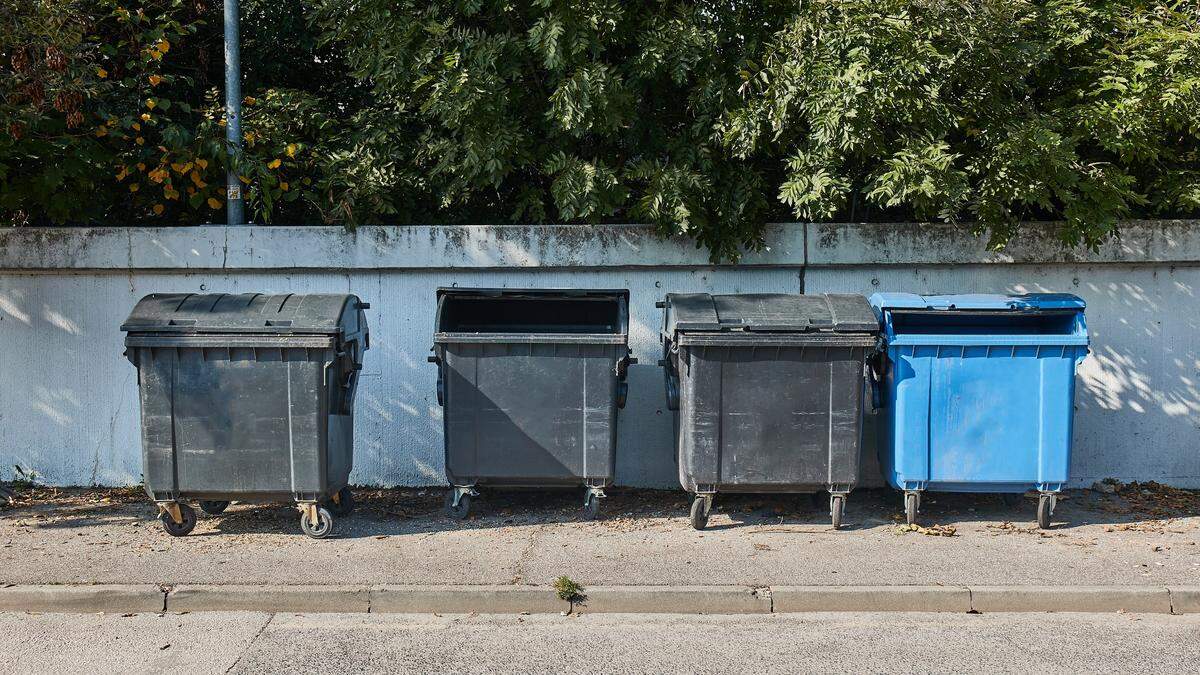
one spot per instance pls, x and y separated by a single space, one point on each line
234 192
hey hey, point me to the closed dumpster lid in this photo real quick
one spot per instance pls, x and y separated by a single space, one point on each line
190 314
1028 302
769 312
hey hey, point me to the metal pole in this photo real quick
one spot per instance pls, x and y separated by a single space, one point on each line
234 204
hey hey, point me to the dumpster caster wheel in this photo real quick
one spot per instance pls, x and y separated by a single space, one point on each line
213 508
1011 500
912 504
837 506
343 503
322 528
591 508
187 516
699 513
1045 511
459 511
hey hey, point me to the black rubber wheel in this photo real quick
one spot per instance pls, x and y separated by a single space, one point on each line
1044 512
912 504
179 529
699 514
344 505
214 508
837 506
1012 500
458 512
591 509
322 528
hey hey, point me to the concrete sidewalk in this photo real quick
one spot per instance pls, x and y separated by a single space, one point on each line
1142 536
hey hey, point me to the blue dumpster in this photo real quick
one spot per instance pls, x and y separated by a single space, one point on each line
976 393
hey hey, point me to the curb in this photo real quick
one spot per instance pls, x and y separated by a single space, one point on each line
598 599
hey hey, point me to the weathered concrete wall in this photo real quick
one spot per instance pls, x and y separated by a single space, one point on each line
68 406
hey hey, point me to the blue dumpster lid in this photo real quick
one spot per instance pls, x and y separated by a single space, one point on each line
978 301
768 312
191 313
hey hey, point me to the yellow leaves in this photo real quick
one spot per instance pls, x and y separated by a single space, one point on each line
158 209
158 175
134 187
244 179
191 190
283 186
221 123
181 168
291 150
202 163
141 166
275 163
139 140
136 126
101 73
122 174
305 181
249 100
931 531
213 203
155 80
112 122
197 180
101 131
145 117
163 46
249 137
150 103
170 192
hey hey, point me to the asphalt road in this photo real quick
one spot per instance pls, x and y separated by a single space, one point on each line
250 642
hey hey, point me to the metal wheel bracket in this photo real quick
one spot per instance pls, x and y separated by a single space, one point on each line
833 497
309 511
460 491
172 509
708 501
1052 497
593 493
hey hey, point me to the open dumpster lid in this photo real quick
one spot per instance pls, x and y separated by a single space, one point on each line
519 315
1029 302
769 312
190 313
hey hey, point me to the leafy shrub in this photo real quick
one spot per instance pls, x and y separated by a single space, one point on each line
706 119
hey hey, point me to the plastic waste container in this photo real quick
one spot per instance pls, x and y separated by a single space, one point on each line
530 382
977 393
768 393
249 398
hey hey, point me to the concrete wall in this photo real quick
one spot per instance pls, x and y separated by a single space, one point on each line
68 404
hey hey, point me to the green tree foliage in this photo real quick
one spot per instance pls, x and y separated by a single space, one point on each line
707 119
995 111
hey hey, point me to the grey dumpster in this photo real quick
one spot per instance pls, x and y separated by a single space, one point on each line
247 398
530 382
767 392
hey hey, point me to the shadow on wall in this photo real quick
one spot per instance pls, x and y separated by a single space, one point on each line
1137 394
46 425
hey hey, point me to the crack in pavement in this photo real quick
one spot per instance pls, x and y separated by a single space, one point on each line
519 568
250 644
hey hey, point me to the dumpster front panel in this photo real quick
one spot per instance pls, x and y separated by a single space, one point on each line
530 413
769 418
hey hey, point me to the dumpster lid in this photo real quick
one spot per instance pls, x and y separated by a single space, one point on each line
769 312
191 313
1028 302
531 315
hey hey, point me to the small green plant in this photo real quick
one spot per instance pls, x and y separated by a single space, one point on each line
568 589
23 479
